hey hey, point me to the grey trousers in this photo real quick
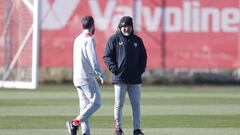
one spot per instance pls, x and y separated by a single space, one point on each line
134 93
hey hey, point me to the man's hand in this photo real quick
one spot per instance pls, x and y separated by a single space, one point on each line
101 79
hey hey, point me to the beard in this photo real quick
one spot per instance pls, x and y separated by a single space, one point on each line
127 33
92 31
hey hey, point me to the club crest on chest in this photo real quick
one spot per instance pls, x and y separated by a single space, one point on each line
135 44
120 43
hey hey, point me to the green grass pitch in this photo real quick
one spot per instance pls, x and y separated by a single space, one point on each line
179 110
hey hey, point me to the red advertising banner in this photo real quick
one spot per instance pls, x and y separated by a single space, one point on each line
176 33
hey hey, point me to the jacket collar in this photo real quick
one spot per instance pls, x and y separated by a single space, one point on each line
86 31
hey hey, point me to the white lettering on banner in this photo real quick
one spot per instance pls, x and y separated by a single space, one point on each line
230 18
170 26
102 19
56 16
152 21
137 16
205 21
195 18
191 17
187 16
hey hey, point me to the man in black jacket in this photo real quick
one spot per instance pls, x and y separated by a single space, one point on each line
125 56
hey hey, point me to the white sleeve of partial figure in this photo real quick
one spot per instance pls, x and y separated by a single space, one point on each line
92 55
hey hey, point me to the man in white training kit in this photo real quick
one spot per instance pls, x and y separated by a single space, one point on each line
85 67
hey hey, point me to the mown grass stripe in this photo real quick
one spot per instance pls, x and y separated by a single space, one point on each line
69 92
128 131
172 89
110 101
108 110
73 95
155 121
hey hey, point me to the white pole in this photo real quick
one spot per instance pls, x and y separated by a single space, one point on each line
29 5
35 44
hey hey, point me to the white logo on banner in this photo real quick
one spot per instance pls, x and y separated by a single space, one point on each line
55 15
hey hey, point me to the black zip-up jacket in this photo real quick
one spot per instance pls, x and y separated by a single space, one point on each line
126 58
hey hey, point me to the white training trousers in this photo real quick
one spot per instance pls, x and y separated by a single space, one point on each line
89 102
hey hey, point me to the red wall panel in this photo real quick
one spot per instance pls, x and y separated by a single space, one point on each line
177 34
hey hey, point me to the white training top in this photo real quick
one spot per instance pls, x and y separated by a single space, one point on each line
85 63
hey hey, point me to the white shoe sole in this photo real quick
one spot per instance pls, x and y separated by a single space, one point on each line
68 127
